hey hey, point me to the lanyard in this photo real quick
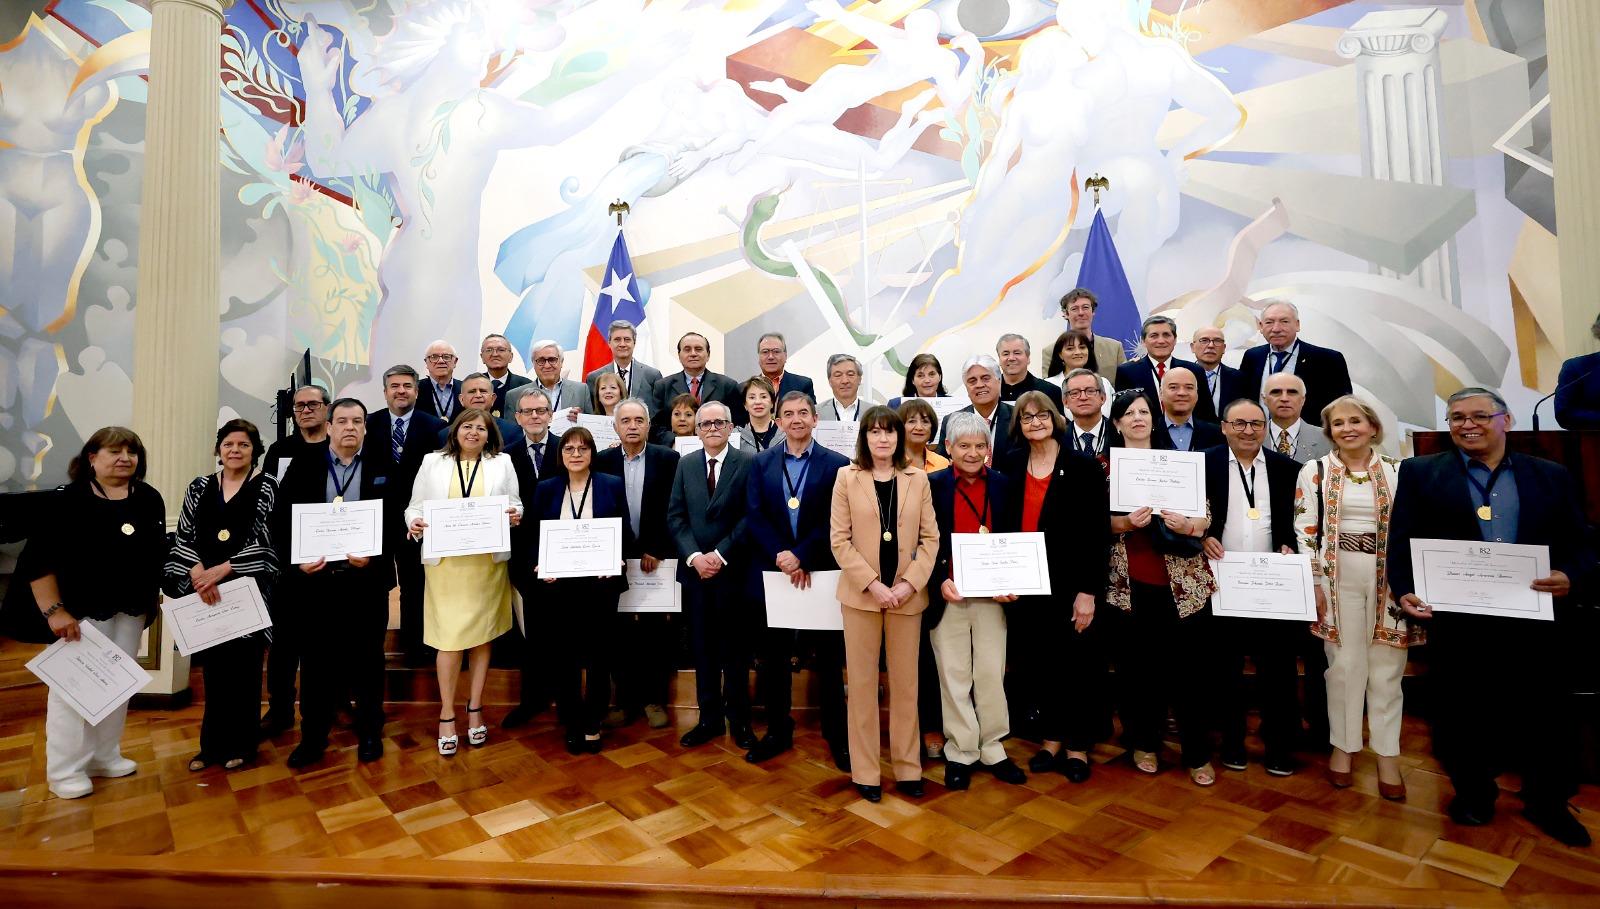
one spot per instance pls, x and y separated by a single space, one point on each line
466 482
333 468
1249 485
855 410
577 510
1099 437
982 516
794 486
1485 511
444 404
555 402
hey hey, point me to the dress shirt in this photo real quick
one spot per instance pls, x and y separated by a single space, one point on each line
855 410
1214 385
711 459
1276 437
444 400
554 394
972 506
796 470
1505 506
537 454
1288 364
1094 434
352 490
633 479
1182 434
1240 534
625 373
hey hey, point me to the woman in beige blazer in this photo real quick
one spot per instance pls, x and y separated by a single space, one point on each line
883 513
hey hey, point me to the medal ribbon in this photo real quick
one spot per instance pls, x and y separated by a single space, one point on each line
334 469
1249 485
794 486
1484 490
466 481
982 516
577 510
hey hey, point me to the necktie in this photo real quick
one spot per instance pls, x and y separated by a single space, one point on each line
1161 372
397 440
694 387
537 448
1086 443
1279 357
1285 446
496 385
623 374
711 477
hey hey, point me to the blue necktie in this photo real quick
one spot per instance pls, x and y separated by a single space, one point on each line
1086 443
538 458
1280 357
397 441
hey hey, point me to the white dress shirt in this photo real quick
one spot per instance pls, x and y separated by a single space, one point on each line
1240 534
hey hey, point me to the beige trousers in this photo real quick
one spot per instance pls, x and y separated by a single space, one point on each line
1362 673
969 647
901 637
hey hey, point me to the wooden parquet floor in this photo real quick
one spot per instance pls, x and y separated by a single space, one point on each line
644 801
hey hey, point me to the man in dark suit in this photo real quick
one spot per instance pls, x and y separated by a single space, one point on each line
397 438
1180 395
310 425
496 355
789 498
1088 430
1160 334
535 456
1501 686
981 377
1323 370
773 353
706 517
1013 351
339 610
694 379
646 642
637 377
440 393
1222 383
1252 510
478 391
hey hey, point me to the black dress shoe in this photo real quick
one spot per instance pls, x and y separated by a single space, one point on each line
957 775
1469 815
700 734
909 788
1233 759
768 748
1076 770
593 746
1042 761
370 749
1007 771
873 794
305 754
574 741
520 715
743 736
1280 765
841 756
1558 823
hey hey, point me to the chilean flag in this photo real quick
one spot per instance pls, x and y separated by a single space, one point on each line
620 298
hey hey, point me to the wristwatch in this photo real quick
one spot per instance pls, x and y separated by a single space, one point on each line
54 609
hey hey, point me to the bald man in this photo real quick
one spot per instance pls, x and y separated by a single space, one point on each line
1222 382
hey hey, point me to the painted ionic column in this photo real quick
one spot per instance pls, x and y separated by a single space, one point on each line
1396 54
176 319
1572 28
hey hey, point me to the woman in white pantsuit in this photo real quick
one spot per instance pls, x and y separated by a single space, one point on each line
1342 507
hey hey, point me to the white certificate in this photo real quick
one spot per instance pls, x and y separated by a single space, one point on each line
603 428
943 407
684 445
1162 480
94 675
283 467
839 435
197 625
997 564
580 549
1482 578
336 530
469 526
1264 585
816 608
658 591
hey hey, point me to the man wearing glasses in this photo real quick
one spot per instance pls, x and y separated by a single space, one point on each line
311 429
564 394
496 355
1078 308
637 377
535 456
1085 394
1221 382
439 394
1500 685
773 353
476 391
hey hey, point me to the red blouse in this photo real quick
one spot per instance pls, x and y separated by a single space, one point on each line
1033 492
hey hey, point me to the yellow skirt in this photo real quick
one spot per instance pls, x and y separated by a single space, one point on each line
466 602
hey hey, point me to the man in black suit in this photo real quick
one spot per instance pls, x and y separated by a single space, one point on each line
1222 383
397 438
646 642
706 516
694 379
535 456
772 351
1180 395
1323 370
1013 352
1252 510
439 394
339 610
496 354
981 377
1501 686
1160 335
477 390
789 498
1088 430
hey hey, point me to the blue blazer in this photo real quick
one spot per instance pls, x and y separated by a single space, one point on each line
1323 369
1140 374
794 382
1578 393
767 517
1004 517
609 496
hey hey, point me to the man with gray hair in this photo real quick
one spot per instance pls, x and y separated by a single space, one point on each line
496 355
1160 336
772 352
980 375
1013 350
637 377
1322 369
1501 685
564 394
439 393
844 377
1284 396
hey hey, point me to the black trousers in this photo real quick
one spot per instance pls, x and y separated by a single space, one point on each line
647 657
232 674
774 679
720 633
536 682
283 660
1164 662
1501 701
411 576
582 625
1314 703
1272 647
342 623
1066 669
930 709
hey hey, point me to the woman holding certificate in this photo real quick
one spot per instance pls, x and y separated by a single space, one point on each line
1342 507
1162 586
224 533
96 562
885 538
581 622
467 600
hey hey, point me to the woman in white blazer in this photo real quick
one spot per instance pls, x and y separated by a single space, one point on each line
466 603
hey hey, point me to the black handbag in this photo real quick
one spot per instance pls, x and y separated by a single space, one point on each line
20 619
1167 541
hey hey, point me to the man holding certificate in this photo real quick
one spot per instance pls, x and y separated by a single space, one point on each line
1500 682
1252 509
789 497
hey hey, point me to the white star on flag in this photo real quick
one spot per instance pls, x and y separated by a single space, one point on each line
618 289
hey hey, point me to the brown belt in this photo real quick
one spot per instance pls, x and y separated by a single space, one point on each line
1359 542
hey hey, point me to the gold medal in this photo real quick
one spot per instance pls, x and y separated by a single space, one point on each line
127 530
496 414
983 530
794 503
1253 514
1485 513
888 537
338 498
224 534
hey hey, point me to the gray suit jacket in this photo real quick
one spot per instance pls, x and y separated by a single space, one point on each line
573 394
1309 442
1108 352
642 380
829 410
701 523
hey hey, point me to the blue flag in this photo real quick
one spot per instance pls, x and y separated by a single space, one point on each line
1101 271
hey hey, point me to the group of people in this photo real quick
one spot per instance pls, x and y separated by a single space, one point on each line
1292 464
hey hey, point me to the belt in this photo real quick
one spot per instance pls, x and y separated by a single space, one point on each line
1359 542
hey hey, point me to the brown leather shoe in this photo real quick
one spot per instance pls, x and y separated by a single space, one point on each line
1394 792
1340 779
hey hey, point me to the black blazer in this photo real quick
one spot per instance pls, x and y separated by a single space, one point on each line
422 437
305 483
1002 432
550 466
1282 474
1578 393
1206 435
699 524
767 511
429 405
1011 393
1003 518
1434 501
1140 374
1075 519
1230 386
792 381
609 498
1322 369
714 387
512 380
660 465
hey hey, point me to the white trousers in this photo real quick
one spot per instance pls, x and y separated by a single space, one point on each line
71 745
1362 673
969 647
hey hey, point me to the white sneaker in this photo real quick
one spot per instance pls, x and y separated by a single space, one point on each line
74 788
122 766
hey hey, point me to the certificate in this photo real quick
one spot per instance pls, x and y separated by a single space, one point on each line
603 428
1482 578
1162 480
997 564
658 591
94 675
469 526
197 625
580 549
839 435
283 467
942 407
1264 585
335 530
684 445
816 608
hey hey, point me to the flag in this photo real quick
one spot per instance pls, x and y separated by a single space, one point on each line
1101 271
620 298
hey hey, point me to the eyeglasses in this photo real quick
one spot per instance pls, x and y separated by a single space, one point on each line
545 361
1246 425
1458 420
532 411
713 425
1083 392
308 406
1037 416
770 351
496 350
1207 342
574 449
440 358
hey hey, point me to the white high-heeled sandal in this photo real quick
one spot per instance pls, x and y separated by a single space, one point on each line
477 735
448 743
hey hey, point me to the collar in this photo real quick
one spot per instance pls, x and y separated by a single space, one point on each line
982 476
549 387
502 377
775 381
718 456
1154 361
341 461
1212 371
542 440
992 414
695 375
637 457
1293 429
619 367
1188 423
1234 459
1293 346
1079 430
400 416
839 405
810 447
1468 462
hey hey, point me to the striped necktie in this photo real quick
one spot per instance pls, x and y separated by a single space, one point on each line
397 439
